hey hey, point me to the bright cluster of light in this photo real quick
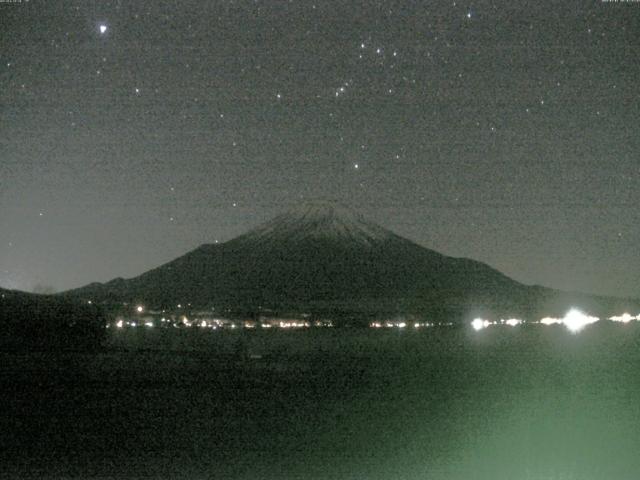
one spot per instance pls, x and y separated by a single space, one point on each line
399 324
213 323
422 324
624 318
294 324
217 323
550 321
575 320
512 322
125 323
480 323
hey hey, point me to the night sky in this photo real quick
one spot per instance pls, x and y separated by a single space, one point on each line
132 132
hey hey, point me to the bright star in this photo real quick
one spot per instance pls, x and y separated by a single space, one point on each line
103 29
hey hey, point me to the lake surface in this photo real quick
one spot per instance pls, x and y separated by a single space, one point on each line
528 402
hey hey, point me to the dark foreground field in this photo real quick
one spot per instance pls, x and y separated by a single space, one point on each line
504 403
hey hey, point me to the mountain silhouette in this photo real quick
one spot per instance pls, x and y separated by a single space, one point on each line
31 321
326 259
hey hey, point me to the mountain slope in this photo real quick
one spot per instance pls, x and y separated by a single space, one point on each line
327 259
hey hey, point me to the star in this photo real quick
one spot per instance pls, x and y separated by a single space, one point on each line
103 29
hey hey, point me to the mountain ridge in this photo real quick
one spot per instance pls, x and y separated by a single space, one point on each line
328 259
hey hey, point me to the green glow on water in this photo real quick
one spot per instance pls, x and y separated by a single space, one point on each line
501 403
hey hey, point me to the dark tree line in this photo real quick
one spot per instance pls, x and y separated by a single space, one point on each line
48 322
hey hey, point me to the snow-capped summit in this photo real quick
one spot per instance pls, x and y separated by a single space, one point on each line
320 220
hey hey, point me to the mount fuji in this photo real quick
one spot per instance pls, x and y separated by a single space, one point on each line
325 259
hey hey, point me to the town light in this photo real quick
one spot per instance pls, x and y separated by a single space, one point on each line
575 320
550 320
624 318
479 323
